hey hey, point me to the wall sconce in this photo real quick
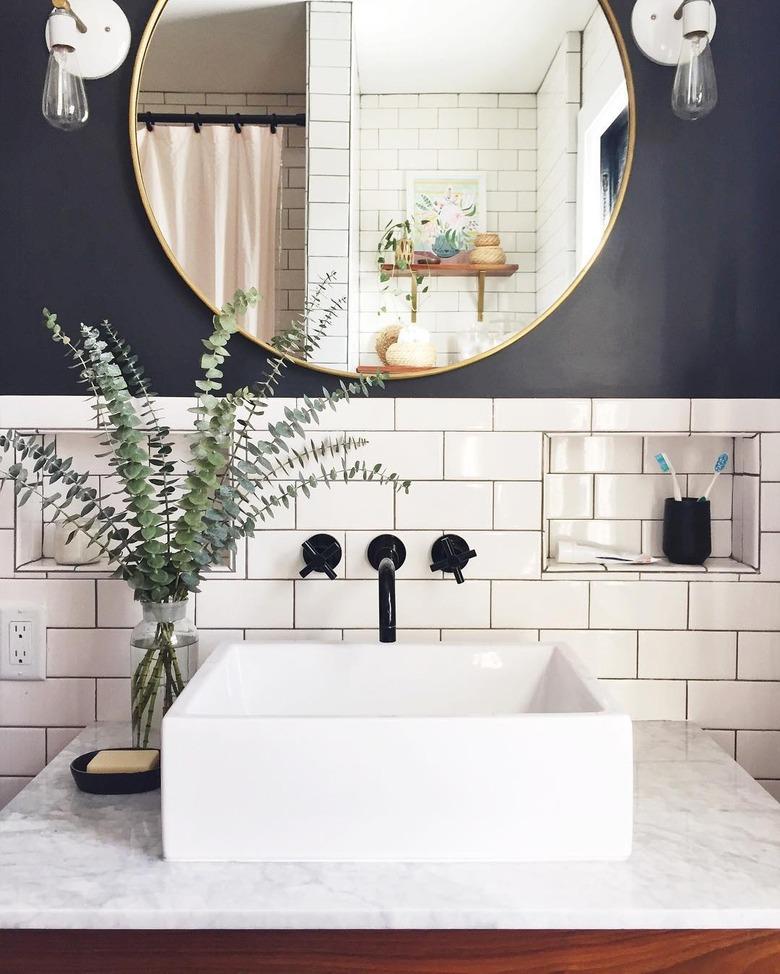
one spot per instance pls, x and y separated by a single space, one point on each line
671 32
89 42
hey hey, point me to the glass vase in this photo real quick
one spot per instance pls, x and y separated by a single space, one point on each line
164 657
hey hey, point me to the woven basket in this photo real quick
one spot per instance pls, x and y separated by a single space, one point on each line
414 354
488 255
487 240
386 338
404 252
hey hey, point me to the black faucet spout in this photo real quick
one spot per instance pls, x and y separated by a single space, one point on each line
386 554
387 600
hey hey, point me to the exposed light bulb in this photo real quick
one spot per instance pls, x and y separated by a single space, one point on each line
695 91
64 102
680 32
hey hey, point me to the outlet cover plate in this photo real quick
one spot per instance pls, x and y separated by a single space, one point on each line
11 614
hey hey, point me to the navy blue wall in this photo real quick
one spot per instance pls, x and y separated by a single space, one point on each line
682 302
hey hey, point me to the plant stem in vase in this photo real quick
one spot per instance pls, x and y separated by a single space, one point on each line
165 648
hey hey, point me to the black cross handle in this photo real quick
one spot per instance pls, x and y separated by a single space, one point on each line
322 553
451 554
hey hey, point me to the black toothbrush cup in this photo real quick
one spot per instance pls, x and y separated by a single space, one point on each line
687 531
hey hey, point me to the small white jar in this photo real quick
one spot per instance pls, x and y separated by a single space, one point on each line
80 550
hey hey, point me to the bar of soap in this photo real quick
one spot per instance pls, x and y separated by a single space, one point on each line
124 762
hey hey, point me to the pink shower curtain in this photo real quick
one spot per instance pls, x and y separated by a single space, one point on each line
214 195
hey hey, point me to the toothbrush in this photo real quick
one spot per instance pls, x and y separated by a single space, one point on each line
665 464
720 463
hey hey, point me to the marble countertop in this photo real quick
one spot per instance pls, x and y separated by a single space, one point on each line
706 854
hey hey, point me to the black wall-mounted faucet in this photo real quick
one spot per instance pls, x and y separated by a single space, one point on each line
386 553
322 553
451 553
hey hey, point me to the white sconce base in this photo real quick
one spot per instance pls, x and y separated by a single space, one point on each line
658 32
106 43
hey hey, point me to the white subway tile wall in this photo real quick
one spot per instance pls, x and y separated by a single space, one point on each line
291 274
703 646
494 134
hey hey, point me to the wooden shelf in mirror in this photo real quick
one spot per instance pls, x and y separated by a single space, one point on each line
480 271
457 270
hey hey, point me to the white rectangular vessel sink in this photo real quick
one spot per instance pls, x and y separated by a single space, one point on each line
305 751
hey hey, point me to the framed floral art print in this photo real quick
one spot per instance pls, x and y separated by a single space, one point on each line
447 210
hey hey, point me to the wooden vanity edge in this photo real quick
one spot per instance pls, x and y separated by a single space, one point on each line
390 952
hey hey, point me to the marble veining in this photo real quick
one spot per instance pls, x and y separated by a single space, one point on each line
706 854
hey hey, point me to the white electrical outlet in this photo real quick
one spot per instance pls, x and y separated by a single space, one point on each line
22 642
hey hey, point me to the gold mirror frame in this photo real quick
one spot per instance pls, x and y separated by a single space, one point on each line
135 85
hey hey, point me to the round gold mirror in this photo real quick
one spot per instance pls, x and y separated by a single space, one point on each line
442 178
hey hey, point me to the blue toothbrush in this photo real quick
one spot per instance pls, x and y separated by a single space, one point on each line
665 464
720 464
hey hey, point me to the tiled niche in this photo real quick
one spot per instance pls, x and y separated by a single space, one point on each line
608 489
35 523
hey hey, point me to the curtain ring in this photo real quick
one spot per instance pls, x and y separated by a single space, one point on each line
149 123
197 123
273 125
237 122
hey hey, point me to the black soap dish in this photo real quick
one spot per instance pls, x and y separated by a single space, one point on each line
123 783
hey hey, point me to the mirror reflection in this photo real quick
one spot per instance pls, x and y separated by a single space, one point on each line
453 168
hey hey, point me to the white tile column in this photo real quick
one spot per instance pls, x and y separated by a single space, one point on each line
328 142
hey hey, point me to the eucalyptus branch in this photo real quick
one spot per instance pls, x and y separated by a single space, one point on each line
225 426
236 499
160 448
247 473
314 452
132 462
253 398
219 537
75 351
104 377
211 448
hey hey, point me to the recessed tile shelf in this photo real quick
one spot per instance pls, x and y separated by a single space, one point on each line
49 566
34 528
101 568
607 489
712 567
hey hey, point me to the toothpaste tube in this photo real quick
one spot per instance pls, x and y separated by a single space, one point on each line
586 553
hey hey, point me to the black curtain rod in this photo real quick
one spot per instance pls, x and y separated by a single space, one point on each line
237 120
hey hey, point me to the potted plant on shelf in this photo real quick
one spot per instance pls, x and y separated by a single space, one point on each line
395 253
166 532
